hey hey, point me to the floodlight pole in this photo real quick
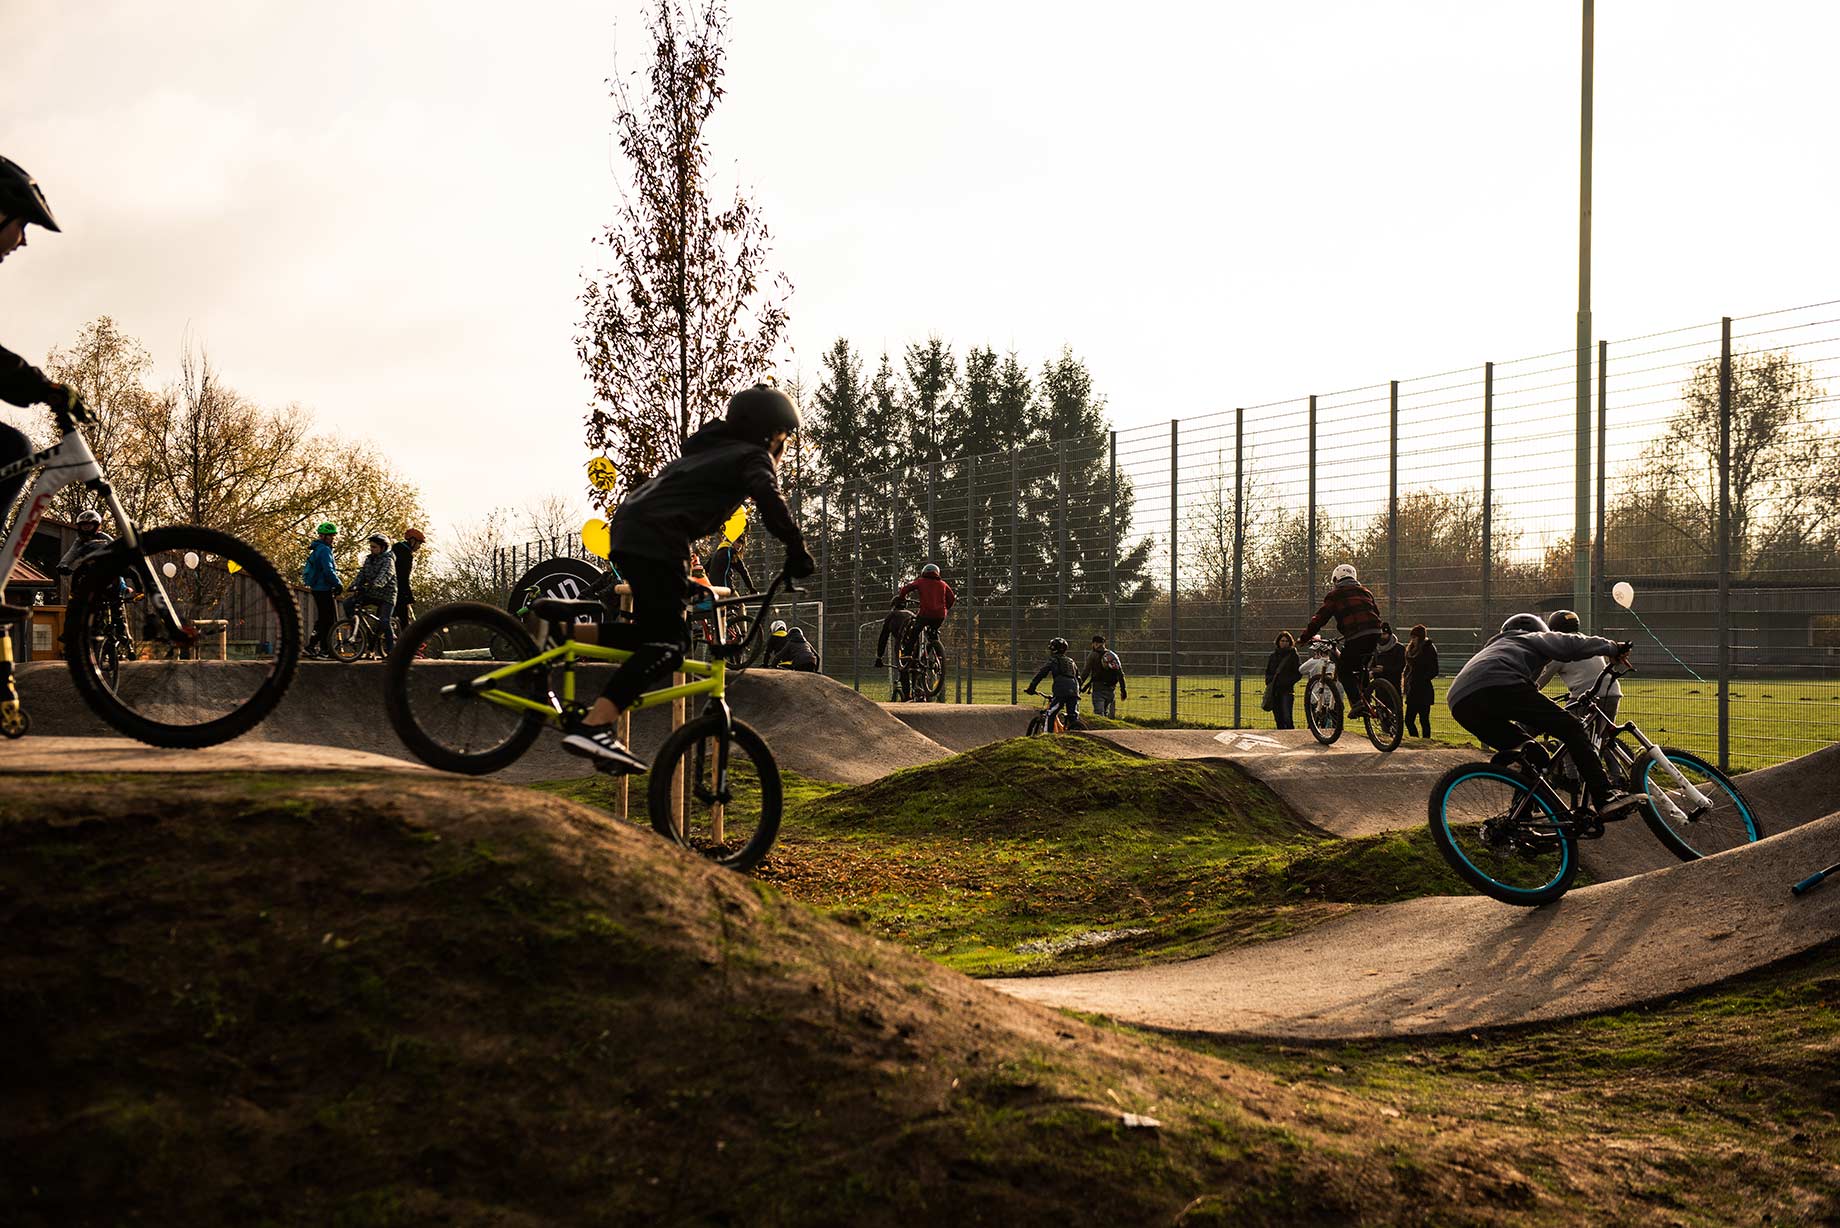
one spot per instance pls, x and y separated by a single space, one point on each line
1581 526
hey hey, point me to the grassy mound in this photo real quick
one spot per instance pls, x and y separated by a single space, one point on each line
1054 854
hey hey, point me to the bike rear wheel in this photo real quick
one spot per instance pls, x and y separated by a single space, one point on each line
1502 835
1322 710
455 729
1385 725
732 826
223 668
1697 831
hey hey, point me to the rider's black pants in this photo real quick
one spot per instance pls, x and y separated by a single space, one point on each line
923 625
1352 674
656 636
13 446
1502 715
325 614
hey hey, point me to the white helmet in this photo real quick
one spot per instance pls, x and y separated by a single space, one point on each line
778 627
1344 572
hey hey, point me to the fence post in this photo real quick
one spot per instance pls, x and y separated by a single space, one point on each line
1111 550
971 545
1015 579
1725 544
824 558
1600 554
1239 546
1060 526
932 513
1309 576
856 586
1174 630
1393 599
1488 494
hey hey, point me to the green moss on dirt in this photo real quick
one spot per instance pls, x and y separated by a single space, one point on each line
998 861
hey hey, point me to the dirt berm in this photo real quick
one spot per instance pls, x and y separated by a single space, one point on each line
416 999
817 727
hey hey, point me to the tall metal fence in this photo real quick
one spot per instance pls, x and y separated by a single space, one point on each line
1714 491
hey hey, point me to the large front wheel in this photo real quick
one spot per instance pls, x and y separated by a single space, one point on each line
1692 829
220 636
447 722
1502 835
1322 710
725 806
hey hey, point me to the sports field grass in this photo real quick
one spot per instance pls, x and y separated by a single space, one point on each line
1772 719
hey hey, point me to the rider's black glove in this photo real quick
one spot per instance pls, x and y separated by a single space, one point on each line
68 404
800 564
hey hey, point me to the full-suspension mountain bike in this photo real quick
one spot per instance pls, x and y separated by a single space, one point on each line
1510 826
219 632
485 700
1324 699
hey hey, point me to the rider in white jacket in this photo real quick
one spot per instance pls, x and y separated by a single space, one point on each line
1579 676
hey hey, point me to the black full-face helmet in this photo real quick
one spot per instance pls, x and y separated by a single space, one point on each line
21 197
1563 620
762 412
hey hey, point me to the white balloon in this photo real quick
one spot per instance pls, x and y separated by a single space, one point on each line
191 559
168 570
1624 594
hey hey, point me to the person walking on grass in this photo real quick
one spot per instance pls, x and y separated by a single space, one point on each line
1066 673
321 576
1421 668
1103 673
1283 670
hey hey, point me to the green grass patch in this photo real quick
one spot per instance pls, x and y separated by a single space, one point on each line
1042 855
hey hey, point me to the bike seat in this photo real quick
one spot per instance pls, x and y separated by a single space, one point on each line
10 614
565 610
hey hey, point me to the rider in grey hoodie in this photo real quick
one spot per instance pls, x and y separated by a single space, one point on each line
1494 696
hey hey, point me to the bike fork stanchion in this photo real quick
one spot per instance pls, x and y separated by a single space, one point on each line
625 726
677 770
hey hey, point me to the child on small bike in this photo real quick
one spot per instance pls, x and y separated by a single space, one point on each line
1580 676
1494 697
650 536
1357 617
1066 672
376 585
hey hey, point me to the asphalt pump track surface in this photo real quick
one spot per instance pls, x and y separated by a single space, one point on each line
817 727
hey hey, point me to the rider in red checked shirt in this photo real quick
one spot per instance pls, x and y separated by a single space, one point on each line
936 601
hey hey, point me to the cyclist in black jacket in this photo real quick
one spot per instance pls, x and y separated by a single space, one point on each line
22 204
650 538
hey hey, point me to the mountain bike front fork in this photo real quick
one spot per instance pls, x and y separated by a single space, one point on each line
1654 755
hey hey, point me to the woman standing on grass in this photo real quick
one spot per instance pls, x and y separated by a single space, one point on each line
1421 668
1282 670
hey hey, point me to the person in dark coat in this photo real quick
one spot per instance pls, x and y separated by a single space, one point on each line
1421 668
1389 659
403 553
1283 670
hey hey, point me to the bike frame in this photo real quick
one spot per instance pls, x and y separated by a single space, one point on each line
66 463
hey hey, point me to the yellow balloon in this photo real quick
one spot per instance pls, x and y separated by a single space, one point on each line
595 539
736 526
233 565
602 475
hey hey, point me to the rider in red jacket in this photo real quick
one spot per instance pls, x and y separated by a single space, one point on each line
936 601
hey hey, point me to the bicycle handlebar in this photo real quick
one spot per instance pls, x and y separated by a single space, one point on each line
783 582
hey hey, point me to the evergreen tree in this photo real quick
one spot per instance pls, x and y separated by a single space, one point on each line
1015 411
932 423
840 417
982 427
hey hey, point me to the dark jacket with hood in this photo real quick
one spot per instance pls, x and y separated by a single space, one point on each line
21 383
793 651
693 495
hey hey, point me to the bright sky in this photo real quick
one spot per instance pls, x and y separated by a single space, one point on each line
383 211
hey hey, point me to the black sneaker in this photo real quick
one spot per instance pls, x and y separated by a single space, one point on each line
1618 804
597 742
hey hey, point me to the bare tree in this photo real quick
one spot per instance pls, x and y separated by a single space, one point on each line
688 311
108 369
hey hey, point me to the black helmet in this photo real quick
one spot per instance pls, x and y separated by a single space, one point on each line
1522 624
762 412
1562 620
1057 644
931 569
20 196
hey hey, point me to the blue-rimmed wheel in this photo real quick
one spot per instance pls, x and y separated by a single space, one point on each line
1718 820
1503 835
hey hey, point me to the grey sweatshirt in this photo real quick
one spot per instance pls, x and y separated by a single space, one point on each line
1508 660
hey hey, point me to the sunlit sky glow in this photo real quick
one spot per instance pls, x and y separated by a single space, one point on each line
383 211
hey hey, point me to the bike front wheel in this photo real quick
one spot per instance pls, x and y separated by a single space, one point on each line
1384 724
1686 828
220 636
933 680
1502 835
348 640
1322 710
433 710
730 803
